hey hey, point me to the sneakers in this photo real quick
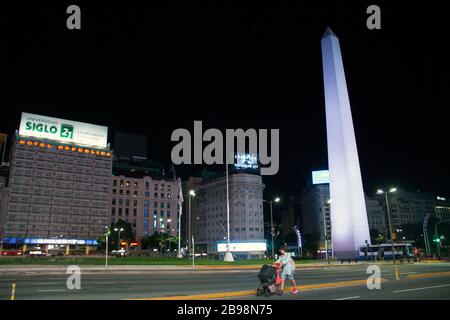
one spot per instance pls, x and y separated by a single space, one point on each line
295 291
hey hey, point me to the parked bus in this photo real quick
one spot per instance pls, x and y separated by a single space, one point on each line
384 251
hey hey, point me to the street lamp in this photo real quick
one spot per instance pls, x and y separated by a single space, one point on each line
277 199
180 208
228 255
191 194
392 190
106 251
118 238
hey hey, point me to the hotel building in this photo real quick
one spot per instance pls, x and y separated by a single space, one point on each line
59 181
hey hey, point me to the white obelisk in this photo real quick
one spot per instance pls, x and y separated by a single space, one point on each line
349 226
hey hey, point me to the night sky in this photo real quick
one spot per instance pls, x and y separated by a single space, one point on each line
150 70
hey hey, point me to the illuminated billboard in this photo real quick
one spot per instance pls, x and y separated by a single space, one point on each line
246 161
62 130
319 177
242 247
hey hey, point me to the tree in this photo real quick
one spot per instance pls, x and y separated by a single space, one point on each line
376 237
310 244
125 235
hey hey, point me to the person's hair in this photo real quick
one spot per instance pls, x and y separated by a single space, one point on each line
284 248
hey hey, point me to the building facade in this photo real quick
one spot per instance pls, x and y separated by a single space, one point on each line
376 216
246 210
148 204
56 190
315 213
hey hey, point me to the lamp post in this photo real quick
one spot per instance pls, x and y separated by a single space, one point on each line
180 208
118 237
168 229
277 199
436 236
106 251
392 190
228 256
191 194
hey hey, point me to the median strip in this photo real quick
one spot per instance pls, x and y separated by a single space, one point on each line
231 294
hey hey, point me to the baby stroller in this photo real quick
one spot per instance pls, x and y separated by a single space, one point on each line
270 279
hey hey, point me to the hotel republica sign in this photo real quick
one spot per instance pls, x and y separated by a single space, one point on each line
62 130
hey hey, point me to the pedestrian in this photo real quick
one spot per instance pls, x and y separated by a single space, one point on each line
287 269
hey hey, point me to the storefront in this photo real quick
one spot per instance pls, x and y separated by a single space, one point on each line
53 247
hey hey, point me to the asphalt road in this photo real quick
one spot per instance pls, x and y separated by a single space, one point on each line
129 286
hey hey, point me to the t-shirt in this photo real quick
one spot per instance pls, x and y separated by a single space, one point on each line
286 262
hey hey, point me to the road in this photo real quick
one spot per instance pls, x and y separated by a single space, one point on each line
412 285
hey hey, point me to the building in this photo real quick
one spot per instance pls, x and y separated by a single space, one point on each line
348 208
291 217
406 207
3 199
315 213
246 211
129 146
149 205
59 181
442 208
376 215
3 139
142 194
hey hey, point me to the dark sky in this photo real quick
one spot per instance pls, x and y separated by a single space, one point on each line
150 70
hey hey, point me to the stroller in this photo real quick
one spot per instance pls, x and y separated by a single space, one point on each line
270 279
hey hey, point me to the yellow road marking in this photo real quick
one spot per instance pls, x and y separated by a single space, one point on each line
428 275
231 294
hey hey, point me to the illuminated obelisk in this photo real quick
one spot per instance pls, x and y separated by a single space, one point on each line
349 226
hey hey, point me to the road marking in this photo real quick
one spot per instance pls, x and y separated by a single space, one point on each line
422 288
220 295
348 298
51 290
428 275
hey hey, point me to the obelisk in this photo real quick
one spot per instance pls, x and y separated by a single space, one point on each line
349 226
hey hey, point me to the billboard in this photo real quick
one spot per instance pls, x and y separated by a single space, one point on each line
243 247
62 130
319 177
246 161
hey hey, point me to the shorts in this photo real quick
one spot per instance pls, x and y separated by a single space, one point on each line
287 276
